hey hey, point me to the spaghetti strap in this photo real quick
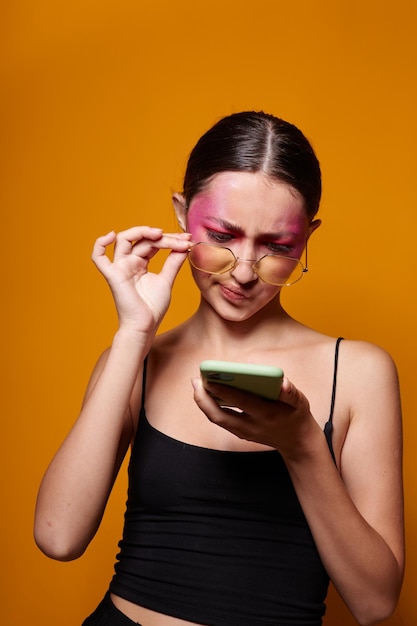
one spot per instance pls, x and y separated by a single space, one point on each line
328 428
336 360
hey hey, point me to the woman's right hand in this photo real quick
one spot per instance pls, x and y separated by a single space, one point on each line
141 297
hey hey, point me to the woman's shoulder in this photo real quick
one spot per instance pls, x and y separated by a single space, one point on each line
359 361
354 350
366 354
366 371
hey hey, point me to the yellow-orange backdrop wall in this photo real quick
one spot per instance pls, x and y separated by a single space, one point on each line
101 103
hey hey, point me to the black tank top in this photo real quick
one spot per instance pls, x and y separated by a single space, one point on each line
217 537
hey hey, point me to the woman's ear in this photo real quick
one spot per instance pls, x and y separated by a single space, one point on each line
313 226
180 208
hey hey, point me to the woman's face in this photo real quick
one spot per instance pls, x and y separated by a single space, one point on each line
253 215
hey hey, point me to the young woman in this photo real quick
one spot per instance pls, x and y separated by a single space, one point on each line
233 518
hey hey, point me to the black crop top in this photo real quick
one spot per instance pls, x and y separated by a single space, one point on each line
217 537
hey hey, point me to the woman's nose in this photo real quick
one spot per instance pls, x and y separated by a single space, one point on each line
243 271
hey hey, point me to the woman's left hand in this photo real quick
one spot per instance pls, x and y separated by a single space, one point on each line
285 424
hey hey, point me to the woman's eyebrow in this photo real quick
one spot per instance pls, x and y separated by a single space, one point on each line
240 231
227 225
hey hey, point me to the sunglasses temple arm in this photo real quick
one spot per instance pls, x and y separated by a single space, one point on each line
305 269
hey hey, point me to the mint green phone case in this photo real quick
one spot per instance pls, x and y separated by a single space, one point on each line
263 380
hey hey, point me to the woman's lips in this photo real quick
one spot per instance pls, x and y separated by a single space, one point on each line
233 293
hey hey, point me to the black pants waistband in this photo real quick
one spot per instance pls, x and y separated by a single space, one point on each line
107 614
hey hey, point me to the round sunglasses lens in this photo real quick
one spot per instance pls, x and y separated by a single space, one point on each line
211 259
279 270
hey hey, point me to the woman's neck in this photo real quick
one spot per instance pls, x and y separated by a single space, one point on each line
244 336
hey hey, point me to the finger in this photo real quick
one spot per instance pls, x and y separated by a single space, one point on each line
178 242
239 397
215 396
98 255
291 395
127 239
144 242
227 416
172 266
201 397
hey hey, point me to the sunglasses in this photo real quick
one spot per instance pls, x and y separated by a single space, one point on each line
273 269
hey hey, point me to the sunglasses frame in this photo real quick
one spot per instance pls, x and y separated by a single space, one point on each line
255 263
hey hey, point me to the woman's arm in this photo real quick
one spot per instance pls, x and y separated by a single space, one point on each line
76 486
77 483
355 514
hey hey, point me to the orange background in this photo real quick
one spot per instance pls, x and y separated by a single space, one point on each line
101 103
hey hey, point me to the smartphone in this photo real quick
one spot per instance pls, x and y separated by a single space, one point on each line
263 380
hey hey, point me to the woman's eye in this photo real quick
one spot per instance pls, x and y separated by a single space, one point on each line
278 248
218 237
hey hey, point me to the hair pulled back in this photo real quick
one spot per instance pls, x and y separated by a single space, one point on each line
253 141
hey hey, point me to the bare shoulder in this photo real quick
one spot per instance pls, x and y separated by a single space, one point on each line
369 386
360 350
367 402
365 364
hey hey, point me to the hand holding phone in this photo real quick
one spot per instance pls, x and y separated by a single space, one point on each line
263 380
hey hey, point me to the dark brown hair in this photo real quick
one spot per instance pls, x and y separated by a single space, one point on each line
253 141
